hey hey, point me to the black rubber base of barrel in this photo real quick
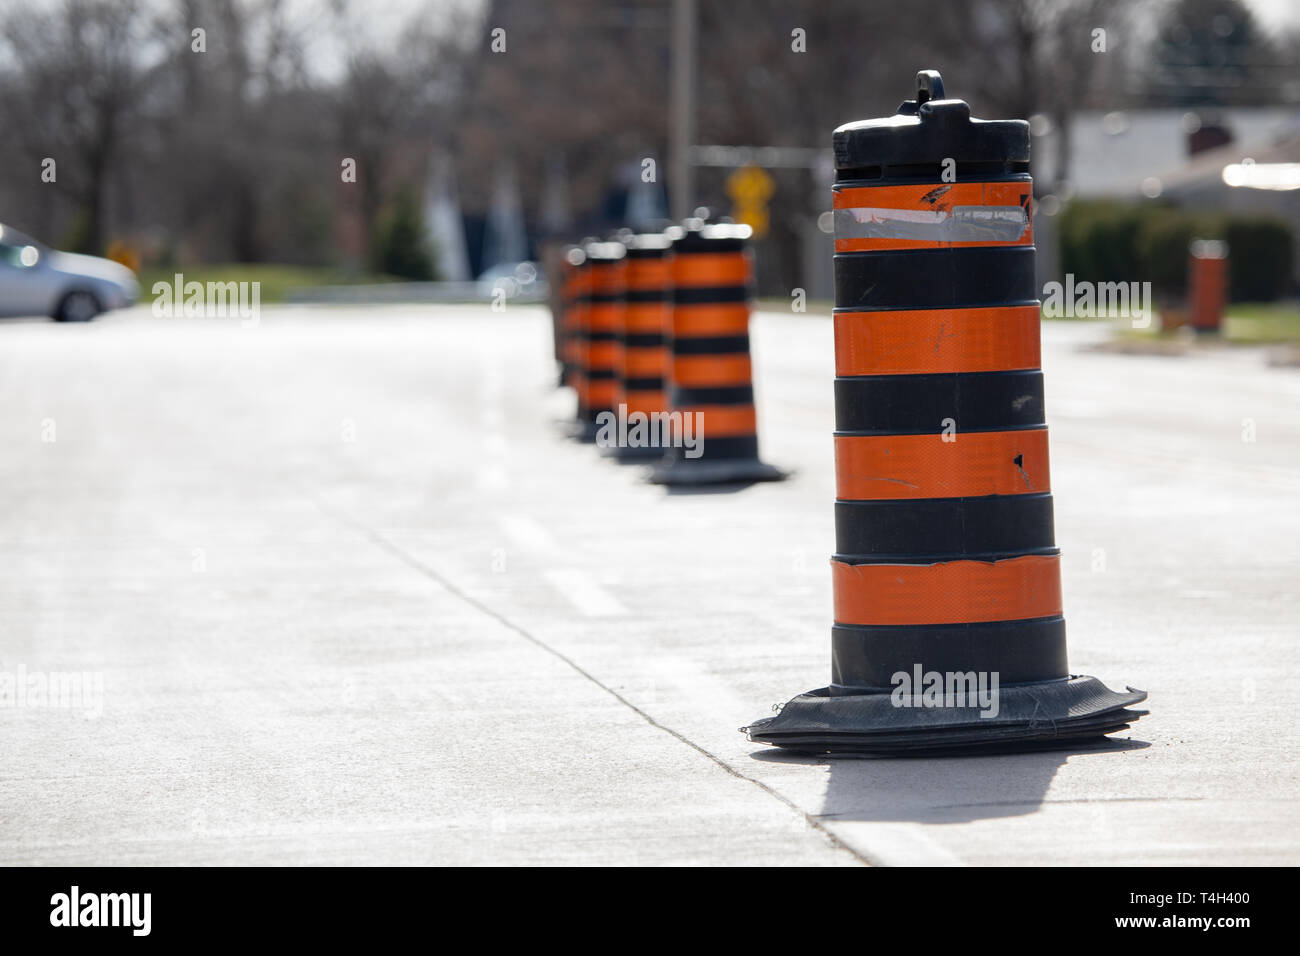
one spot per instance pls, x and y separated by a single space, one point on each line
1030 717
718 471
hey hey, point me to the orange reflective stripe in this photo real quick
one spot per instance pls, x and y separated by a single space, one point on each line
645 401
925 466
703 269
603 354
723 421
710 320
932 195
647 316
954 592
696 371
644 275
604 318
601 392
925 198
642 362
937 340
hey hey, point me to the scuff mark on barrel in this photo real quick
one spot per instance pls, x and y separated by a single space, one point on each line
1020 464
933 195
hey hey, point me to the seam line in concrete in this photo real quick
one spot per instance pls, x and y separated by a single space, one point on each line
419 566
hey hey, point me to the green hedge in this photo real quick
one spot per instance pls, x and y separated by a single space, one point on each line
400 246
1259 258
1103 241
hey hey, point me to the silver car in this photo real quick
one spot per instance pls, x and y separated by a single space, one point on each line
37 280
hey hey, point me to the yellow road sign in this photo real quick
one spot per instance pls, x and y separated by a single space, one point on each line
750 188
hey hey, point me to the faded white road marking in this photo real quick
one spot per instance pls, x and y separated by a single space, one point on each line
893 844
584 593
526 532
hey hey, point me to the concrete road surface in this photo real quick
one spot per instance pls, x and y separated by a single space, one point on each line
341 593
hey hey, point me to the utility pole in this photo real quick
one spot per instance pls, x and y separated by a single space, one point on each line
681 121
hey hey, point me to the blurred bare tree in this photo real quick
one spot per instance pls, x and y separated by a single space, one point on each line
203 128
1213 53
72 93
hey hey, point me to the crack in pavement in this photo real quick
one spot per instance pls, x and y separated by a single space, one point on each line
376 538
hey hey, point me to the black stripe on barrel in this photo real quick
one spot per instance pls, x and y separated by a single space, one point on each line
953 402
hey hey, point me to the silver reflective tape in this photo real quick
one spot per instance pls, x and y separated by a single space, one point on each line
960 224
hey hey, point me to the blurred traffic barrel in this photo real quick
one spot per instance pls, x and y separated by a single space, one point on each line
575 331
946 561
643 338
601 295
711 374
569 304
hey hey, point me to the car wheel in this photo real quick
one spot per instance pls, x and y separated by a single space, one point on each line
77 307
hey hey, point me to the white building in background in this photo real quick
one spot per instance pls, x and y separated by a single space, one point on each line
1175 154
1115 155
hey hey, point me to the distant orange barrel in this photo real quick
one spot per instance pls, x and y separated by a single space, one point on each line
578 294
641 390
1207 292
570 305
605 270
712 391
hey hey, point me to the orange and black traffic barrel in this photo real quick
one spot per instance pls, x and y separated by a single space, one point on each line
570 273
641 397
948 631
601 306
712 389
578 284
